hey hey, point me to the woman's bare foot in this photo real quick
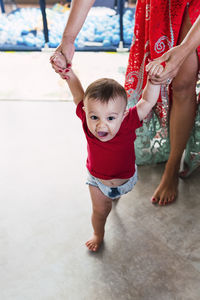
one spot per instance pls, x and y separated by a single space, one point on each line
94 243
167 190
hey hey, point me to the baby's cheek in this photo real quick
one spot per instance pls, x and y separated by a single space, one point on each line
114 127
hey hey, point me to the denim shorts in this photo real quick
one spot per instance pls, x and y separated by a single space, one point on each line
116 192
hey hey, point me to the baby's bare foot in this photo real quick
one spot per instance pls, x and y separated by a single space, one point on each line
94 243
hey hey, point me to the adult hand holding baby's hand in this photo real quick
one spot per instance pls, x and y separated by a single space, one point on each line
65 50
173 59
154 70
58 63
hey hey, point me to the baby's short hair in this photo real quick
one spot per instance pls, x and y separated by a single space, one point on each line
105 89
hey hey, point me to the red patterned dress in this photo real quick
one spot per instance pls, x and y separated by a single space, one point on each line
157 27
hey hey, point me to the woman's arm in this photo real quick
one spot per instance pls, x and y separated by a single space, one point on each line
78 13
175 57
192 39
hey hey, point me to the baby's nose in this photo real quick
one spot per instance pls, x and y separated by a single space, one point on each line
101 124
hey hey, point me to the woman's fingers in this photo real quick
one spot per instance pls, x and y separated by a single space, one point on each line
163 80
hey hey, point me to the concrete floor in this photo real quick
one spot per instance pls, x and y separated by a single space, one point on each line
150 253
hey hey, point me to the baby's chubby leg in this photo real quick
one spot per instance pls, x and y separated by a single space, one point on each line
101 208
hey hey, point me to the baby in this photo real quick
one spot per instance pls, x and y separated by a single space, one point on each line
109 128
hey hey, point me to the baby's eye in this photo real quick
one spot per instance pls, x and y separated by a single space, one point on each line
93 117
111 118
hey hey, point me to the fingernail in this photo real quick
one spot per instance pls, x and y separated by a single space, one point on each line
60 71
66 77
163 64
66 70
68 65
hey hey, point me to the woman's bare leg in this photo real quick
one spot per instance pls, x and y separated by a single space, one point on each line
182 116
101 206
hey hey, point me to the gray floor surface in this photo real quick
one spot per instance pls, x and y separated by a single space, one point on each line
149 253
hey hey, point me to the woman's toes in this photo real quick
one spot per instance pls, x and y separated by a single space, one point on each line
167 200
183 174
161 202
154 200
172 199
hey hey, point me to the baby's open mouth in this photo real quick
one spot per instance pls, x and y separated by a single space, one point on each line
102 133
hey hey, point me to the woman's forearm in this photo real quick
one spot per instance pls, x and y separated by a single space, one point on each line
78 13
192 39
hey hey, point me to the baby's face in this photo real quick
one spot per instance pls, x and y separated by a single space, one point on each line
104 119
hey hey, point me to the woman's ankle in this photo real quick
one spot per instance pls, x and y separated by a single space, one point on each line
172 167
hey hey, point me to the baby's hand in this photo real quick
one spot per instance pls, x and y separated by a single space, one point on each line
154 69
59 60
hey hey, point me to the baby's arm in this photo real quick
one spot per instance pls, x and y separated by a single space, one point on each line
150 93
71 78
149 98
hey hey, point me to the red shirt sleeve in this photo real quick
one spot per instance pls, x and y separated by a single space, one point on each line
134 118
